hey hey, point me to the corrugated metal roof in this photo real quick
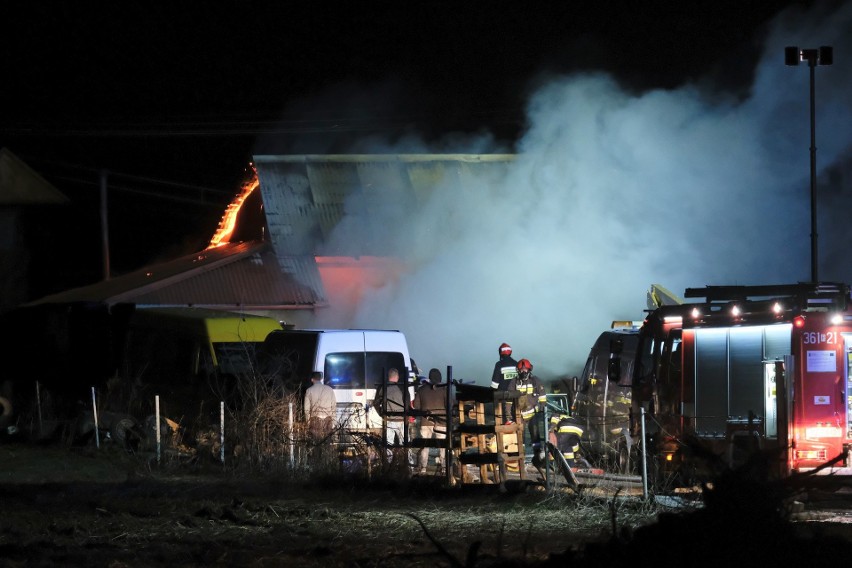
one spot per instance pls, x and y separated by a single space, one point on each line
256 282
20 185
234 275
306 196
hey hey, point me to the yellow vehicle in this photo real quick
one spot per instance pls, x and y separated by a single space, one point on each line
192 358
195 340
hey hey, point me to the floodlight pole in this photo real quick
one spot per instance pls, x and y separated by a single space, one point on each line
812 63
822 56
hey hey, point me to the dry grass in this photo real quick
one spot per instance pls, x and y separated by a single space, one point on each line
280 499
181 515
81 506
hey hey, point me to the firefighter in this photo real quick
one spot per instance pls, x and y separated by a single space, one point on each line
505 370
530 400
567 433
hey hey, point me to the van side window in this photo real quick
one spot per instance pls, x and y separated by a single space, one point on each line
588 371
355 371
378 363
673 360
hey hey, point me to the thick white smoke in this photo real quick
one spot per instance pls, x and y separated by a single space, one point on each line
613 191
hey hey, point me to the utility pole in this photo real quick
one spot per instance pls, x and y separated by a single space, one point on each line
104 226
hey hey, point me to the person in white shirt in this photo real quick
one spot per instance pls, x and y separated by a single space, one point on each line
320 408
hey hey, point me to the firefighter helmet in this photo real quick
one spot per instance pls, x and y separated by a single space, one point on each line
505 349
525 365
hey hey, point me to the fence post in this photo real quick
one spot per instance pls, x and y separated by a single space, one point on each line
448 443
546 439
290 436
222 432
157 424
38 406
644 454
95 414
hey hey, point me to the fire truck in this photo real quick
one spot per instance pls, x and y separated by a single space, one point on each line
736 373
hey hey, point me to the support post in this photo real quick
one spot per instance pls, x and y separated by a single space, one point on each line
644 447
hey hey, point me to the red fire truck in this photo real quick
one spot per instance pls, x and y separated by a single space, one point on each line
744 371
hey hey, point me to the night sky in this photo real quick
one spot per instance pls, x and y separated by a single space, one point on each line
172 101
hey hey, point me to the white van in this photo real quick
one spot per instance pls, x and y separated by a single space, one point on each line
353 362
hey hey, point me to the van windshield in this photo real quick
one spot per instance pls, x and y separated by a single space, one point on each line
361 370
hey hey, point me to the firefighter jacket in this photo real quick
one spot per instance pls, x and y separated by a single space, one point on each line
567 432
505 370
532 395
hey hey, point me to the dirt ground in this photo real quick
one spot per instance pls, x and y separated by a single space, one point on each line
83 506
102 507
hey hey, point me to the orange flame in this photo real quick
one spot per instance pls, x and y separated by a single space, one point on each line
229 219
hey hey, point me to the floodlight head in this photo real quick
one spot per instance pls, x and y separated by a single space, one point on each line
826 55
792 55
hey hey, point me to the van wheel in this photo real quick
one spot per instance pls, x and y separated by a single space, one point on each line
125 431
